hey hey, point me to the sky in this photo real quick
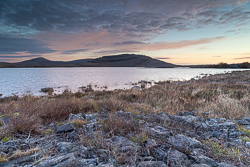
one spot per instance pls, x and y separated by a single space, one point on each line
175 31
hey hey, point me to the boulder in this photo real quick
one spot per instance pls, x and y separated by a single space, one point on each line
47 90
150 143
66 147
159 132
204 160
89 128
73 136
223 164
160 154
68 127
184 144
152 164
67 160
124 114
20 161
247 144
200 165
90 117
176 158
124 145
136 88
75 116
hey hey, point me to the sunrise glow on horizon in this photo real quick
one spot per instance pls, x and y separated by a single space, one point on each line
176 31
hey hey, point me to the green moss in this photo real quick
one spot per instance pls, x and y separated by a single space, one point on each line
47 131
244 130
6 138
139 138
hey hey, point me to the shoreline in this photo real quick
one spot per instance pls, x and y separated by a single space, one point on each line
35 88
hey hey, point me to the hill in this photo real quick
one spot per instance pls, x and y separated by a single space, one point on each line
124 60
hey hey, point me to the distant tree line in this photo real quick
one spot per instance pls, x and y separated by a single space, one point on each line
225 65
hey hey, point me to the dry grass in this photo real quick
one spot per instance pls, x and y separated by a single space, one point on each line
238 156
78 123
3 159
19 153
96 140
115 125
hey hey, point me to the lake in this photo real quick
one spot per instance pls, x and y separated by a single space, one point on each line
21 81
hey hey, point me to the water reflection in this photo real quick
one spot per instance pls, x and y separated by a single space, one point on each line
22 80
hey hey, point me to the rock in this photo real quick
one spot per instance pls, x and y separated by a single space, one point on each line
106 165
5 120
149 158
206 114
10 146
19 161
152 164
200 165
176 158
184 144
68 127
136 88
141 122
247 127
247 144
103 155
151 143
90 117
237 142
85 162
75 116
89 128
221 126
244 121
47 90
204 160
223 164
160 154
86 153
185 119
73 136
186 113
124 145
124 114
67 160
159 132
66 147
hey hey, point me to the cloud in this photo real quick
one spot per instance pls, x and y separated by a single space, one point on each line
10 45
177 45
21 56
114 51
126 22
74 51
128 43
242 58
140 17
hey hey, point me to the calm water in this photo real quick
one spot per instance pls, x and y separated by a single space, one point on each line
31 80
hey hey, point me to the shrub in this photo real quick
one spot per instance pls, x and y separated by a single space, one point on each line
78 123
120 126
24 124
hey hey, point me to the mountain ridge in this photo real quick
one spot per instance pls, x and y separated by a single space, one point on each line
123 60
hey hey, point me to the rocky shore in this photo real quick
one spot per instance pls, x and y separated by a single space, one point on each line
187 139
